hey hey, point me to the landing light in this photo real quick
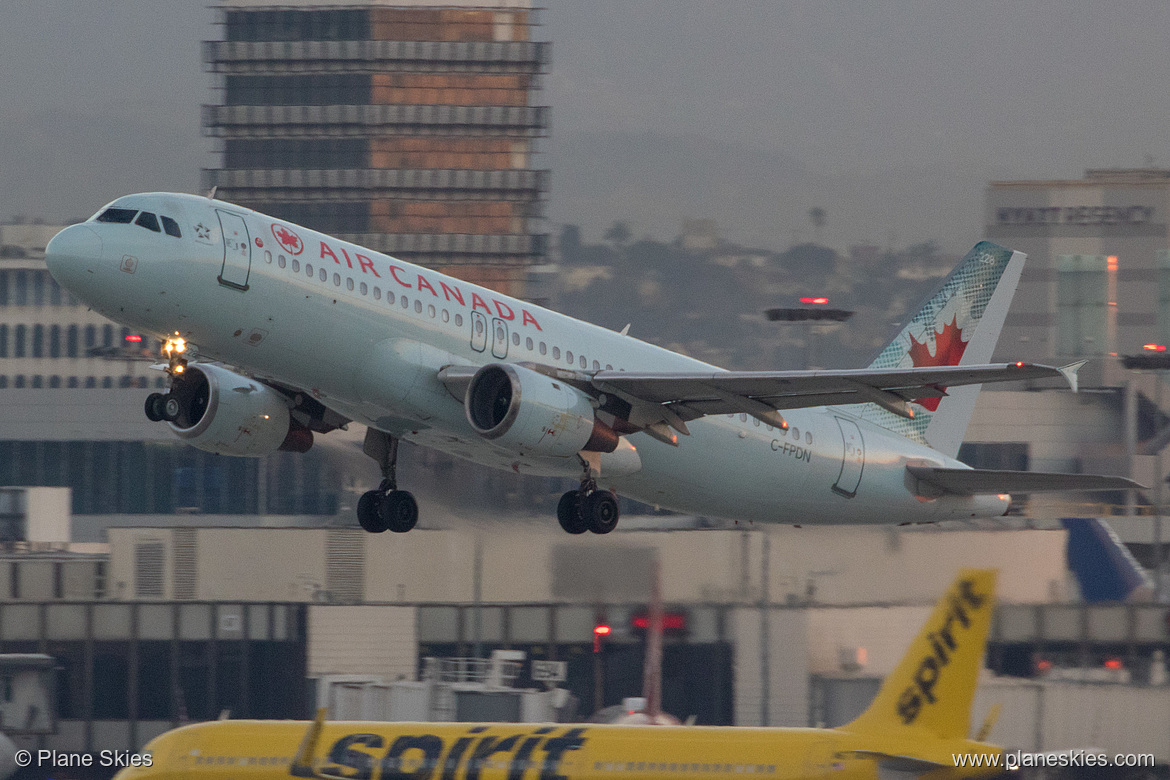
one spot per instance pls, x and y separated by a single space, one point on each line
1154 347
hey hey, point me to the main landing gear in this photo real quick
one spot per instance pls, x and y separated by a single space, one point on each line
387 508
587 508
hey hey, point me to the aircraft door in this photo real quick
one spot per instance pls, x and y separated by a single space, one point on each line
852 458
479 334
237 251
499 338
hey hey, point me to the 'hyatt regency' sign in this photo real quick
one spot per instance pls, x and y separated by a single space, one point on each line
1074 215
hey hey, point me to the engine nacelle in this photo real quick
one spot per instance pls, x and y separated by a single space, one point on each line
228 414
524 410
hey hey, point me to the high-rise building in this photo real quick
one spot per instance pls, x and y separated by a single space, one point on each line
400 125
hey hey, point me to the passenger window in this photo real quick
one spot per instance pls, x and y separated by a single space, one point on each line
349 284
431 311
584 362
418 306
446 316
796 433
569 358
172 229
148 221
267 254
515 339
596 366
556 353
365 288
808 437
459 320
389 297
377 293
337 281
608 367
280 260
405 302
309 270
117 216
296 266
756 421
543 348
742 417
528 343
324 276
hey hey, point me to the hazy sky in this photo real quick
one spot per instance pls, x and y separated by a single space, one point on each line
891 115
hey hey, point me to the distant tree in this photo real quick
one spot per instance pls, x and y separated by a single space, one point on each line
817 215
569 242
619 233
809 260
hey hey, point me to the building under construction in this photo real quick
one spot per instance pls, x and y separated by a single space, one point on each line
406 127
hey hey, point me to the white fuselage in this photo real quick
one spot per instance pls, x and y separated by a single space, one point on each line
375 359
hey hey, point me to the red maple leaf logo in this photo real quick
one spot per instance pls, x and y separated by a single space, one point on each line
949 347
289 240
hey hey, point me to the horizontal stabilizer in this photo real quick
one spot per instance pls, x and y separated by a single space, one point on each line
969 482
894 763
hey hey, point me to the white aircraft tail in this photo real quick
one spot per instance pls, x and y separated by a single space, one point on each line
958 325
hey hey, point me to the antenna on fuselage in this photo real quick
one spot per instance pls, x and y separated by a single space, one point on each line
211 192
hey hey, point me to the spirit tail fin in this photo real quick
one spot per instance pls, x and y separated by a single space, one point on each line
932 688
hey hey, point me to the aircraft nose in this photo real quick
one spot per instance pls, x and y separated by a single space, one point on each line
74 248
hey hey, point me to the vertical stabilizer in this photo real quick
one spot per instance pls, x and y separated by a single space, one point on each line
932 687
957 325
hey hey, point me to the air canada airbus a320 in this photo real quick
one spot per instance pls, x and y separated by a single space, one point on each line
274 333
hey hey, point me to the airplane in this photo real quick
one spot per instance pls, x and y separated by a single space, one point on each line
917 725
298 333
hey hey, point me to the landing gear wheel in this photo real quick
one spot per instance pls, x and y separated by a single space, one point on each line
599 511
154 407
369 518
399 511
569 513
171 407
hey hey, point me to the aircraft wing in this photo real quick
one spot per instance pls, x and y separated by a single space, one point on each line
897 764
681 396
969 482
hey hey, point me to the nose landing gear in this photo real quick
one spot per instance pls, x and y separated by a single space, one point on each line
387 508
168 407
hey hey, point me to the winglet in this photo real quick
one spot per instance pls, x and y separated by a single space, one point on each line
988 723
302 765
1069 373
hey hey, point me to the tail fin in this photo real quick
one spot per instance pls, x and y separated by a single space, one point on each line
958 324
933 685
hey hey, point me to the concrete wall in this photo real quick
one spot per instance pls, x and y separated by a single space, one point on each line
1045 716
380 641
819 565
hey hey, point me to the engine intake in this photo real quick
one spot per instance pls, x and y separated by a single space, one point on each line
521 409
228 414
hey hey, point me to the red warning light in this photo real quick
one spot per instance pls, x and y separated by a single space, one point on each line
134 338
601 630
818 301
1113 663
1154 347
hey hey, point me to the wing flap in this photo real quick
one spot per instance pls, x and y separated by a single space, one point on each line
969 482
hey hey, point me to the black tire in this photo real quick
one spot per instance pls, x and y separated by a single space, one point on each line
600 510
171 407
153 407
369 516
569 513
399 511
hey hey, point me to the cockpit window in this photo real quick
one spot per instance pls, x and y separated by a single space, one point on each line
171 227
120 216
148 221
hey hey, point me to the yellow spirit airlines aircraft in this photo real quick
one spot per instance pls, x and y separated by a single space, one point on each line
320 332
919 724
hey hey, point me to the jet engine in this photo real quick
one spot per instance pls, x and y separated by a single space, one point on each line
228 414
526 411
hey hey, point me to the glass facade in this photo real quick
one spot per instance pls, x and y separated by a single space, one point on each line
130 477
1081 298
